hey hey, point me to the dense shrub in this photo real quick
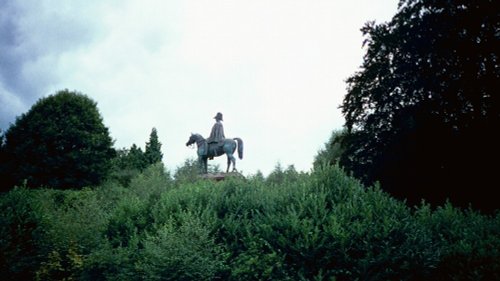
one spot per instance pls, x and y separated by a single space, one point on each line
181 249
318 226
20 231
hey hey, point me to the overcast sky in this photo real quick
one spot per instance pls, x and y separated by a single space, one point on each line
276 69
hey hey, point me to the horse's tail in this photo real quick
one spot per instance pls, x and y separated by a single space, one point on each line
240 147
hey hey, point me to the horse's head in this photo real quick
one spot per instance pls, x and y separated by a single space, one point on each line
192 139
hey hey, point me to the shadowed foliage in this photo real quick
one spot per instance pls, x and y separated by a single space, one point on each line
423 111
60 142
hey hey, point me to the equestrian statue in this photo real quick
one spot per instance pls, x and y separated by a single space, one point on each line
216 145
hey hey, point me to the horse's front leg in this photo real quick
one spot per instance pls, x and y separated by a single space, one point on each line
202 164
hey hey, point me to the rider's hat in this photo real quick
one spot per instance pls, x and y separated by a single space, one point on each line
218 116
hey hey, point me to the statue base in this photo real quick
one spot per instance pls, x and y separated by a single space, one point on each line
221 176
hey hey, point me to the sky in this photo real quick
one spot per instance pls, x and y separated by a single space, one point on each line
275 69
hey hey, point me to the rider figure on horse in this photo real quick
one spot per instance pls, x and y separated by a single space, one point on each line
217 134
216 145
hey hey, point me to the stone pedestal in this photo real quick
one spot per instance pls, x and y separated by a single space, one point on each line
221 176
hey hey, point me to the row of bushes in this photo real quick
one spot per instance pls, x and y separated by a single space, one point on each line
318 226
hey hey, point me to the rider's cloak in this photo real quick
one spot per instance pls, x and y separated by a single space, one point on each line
217 134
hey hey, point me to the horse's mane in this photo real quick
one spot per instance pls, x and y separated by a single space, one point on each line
198 135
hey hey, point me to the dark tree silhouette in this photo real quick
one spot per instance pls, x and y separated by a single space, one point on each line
61 142
423 111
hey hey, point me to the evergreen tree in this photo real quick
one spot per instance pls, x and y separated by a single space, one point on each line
136 159
153 153
277 175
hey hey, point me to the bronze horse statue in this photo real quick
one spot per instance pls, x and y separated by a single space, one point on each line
206 150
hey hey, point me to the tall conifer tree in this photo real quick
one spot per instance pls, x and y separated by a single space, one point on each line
153 148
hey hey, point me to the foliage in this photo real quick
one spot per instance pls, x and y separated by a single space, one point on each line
128 163
280 176
153 153
61 267
60 142
181 249
331 153
20 228
318 226
189 171
151 183
423 110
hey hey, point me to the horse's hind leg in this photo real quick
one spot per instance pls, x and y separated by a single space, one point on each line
230 159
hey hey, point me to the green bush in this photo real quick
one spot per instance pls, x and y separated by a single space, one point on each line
182 249
152 182
20 234
319 226
128 219
72 218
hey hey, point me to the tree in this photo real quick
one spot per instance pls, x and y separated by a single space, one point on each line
190 171
61 142
153 149
423 111
278 176
332 151
127 164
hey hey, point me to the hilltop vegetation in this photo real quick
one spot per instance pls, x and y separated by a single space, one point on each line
292 226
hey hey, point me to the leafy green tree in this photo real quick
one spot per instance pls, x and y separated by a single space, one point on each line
60 142
332 151
127 164
423 111
190 171
153 153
